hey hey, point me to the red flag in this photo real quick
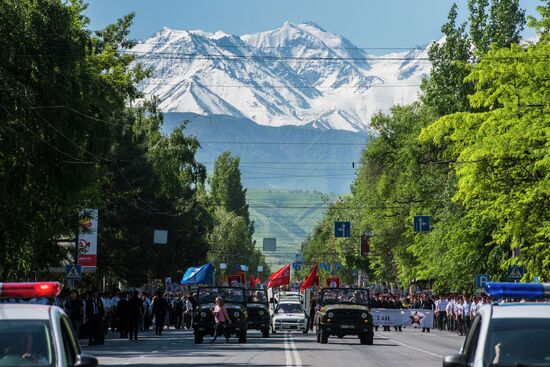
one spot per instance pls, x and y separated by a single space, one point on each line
280 277
258 281
311 280
252 282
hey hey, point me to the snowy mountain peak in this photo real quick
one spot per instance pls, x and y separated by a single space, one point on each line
298 74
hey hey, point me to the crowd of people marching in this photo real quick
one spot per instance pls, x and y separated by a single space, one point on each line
94 314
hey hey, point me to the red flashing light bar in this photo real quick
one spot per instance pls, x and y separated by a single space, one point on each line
30 290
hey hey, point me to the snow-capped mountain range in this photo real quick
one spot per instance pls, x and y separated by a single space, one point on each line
298 74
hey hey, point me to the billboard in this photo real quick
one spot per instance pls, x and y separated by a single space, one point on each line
87 238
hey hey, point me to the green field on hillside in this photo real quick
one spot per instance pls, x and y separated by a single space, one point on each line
288 216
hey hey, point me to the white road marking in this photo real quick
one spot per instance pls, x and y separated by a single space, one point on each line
288 354
297 358
291 351
410 346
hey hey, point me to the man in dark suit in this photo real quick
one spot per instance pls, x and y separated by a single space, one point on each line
122 316
94 318
135 309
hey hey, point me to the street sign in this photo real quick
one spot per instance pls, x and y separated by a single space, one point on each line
73 271
337 266
223 266
296 266
342 229
515 272
421 223
244 267
481 279
536 279
260 268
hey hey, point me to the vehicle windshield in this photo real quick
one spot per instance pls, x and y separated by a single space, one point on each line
256 296
289 308
522 341
229 295
345 295
25 343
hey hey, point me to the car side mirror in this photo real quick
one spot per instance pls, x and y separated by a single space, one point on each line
455 360
84 360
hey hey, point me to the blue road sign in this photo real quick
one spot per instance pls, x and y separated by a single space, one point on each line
342 229
481 279
536 279
73 271
337 266
296 266
421 223
515 272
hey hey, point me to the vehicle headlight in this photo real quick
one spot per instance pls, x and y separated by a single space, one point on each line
330 315
203 314
364 315
236 314
261 312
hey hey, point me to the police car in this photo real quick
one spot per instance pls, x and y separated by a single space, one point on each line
508 334
37 335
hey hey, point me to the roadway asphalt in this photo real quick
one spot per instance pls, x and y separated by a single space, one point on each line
408 348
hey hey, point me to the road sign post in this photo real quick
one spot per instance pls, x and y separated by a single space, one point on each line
481 279
515 272
73 272
421 223
342 229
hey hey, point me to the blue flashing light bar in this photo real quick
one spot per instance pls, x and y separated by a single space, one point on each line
517 290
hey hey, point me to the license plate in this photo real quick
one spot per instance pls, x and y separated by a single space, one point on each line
347 326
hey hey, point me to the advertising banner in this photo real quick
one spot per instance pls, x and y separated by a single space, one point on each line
407 317
87 238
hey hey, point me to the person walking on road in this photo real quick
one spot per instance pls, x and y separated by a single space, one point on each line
74 307
122 316
222 320
95 314
160 309
135 309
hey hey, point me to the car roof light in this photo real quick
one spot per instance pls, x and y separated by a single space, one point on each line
517 290
30 289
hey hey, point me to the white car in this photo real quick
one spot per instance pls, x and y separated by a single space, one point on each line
508 334
37 335
289 315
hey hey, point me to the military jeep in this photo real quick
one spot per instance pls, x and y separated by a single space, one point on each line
235 304
344 311
257 306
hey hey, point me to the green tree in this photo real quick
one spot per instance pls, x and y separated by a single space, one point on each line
505 150
50 155
445 91
226 188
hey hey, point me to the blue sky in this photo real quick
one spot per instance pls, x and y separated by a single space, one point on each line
366 23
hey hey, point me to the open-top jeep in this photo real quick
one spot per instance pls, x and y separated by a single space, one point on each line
235 304
257 306
344 311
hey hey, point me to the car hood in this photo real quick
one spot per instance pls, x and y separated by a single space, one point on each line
343 306
289 316
256 305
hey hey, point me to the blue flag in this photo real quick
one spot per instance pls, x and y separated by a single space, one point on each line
199 275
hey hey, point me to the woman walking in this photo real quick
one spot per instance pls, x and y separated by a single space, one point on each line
222 320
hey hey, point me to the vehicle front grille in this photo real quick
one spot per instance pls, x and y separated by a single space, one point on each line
347 316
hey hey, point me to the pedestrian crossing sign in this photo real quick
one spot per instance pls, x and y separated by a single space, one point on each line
515 272
73 271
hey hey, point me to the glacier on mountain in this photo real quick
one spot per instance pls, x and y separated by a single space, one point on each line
298 74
